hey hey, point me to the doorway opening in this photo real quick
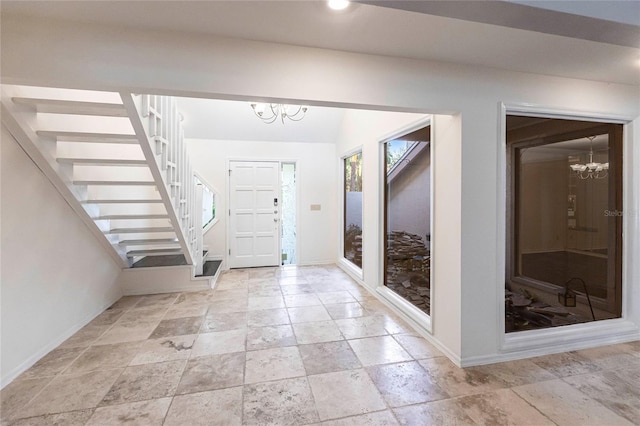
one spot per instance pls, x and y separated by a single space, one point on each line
288 220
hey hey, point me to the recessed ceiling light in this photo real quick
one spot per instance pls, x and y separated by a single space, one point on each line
339 4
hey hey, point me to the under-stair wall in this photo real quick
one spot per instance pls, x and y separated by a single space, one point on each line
55 275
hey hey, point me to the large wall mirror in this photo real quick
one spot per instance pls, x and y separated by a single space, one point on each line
564 222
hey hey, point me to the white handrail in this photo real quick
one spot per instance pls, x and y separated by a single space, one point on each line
167 138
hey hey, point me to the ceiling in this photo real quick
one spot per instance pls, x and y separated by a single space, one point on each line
495 34
233 120
553 38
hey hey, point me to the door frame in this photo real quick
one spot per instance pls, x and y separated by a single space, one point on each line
227 200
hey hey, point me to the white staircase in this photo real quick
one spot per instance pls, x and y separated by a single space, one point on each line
120 162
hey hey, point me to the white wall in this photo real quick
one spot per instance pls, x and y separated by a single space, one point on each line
473 254
56 276
410 197
364 130
315 180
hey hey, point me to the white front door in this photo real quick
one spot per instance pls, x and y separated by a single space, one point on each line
254 215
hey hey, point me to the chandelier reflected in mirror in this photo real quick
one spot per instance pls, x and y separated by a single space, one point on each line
269 113
592 169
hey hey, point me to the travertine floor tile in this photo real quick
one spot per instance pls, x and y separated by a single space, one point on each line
157 300
345 310
108 317
105 357
260 303
334 297
417 346
219 342
53 363
328 357
146 381
212 372
177 327
459 381
299 300
143 413
289 290
85 336
308 314
368 326
273 364
502 407
317 332
279 403
233 305
613 389
610 357
404 384
71 392
263 318
267 290
216 321
219 407
566 364
143 315
334 394
301 345
378 350
293 280
270 337
165 349
16 394
127 332
516 373
565 405
379 418
442 413
125 302
186 311
262 273
71 418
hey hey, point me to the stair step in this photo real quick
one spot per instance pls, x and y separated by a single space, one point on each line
132 216
140 230
150 201
149 241
62 136
57 106
154 252
102 162
115 182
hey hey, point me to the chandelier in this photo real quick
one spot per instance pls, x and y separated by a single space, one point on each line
269 113
591 170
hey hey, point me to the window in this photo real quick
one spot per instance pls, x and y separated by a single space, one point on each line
352 167
407 217
564 235
209 198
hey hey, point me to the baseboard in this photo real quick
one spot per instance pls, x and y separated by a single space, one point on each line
29 362
317 263
165 279
421 327
352 270
534 343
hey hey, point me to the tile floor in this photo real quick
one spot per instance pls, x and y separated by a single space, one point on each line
280 346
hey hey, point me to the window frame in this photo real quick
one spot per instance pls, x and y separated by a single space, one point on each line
357 270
